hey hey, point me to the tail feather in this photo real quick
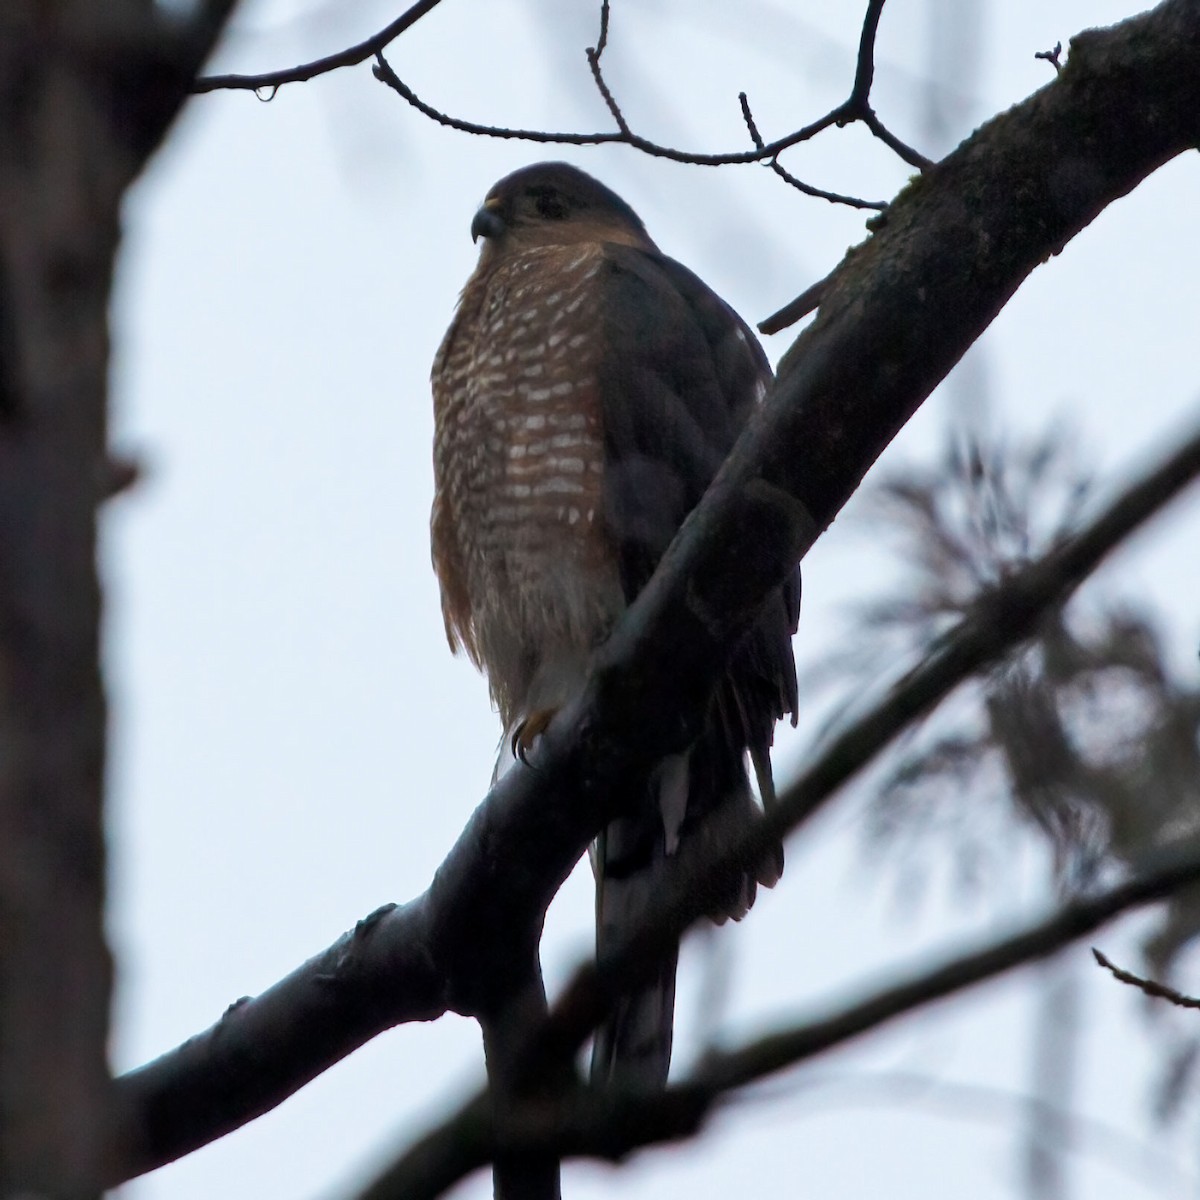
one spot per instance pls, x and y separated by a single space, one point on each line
633 1046
696 799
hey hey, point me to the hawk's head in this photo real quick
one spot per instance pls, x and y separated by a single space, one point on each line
554 204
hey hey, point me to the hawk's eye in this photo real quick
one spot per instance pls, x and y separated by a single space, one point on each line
550 204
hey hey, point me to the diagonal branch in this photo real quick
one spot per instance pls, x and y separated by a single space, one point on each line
1000 620
903 309
611 1125
1160 991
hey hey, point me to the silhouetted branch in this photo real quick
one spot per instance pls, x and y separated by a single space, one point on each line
612 1124
1052 56
1160 991
1099 53
1128 99
864 71
858 105
351 56
792 180
384 72
602 40
583 1122
856 108
593 57
518 1176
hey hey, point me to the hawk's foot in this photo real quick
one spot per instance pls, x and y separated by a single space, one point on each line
528 731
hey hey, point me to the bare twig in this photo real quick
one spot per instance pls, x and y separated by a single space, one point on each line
864 71
796 310
1160 991
789 178
1052 56
858 104
914 158
602 40
384 72
272 81
593 57
855 108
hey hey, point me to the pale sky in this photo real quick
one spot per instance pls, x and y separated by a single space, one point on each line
293 744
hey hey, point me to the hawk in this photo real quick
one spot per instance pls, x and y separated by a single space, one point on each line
585 394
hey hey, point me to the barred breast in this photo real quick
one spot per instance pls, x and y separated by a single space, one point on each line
529 580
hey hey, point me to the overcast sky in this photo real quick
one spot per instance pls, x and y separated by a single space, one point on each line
293 744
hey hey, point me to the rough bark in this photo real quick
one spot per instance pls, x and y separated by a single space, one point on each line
85 93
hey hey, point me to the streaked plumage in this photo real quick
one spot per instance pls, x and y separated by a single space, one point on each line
585 395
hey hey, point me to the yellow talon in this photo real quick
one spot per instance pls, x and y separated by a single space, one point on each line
528 731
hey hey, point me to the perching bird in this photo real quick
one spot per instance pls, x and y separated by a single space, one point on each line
585 395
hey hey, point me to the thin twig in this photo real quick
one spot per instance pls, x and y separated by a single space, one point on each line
792 180
272 81
267 84
1052 56
602 40
857 106
914 158
1160 991
798 309
593 57
864 71
384 72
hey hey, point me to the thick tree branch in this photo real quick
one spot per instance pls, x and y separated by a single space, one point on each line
1000 620
87 93
902 310
518 1176
611 1125
386 971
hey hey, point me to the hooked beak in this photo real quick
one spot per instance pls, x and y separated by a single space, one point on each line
488 223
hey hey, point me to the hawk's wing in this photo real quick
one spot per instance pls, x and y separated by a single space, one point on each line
680 375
